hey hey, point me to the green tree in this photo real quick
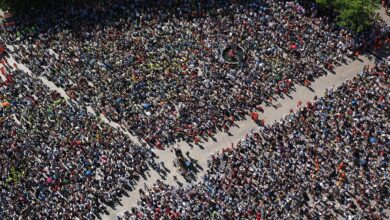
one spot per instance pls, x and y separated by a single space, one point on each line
357 15
325 3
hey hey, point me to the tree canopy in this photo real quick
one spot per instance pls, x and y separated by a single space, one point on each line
356 15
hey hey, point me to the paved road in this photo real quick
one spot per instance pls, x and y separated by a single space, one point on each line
270 115
224 140
384 16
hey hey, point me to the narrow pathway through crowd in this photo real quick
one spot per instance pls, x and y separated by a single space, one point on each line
63 94
15 64
225 140
383 15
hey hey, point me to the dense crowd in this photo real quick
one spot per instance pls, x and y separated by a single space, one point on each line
157 69
329 159
56 160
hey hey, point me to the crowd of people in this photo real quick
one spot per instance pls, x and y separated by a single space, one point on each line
327 160
157 69
57 161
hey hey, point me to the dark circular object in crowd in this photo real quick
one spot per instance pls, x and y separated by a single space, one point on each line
233 54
